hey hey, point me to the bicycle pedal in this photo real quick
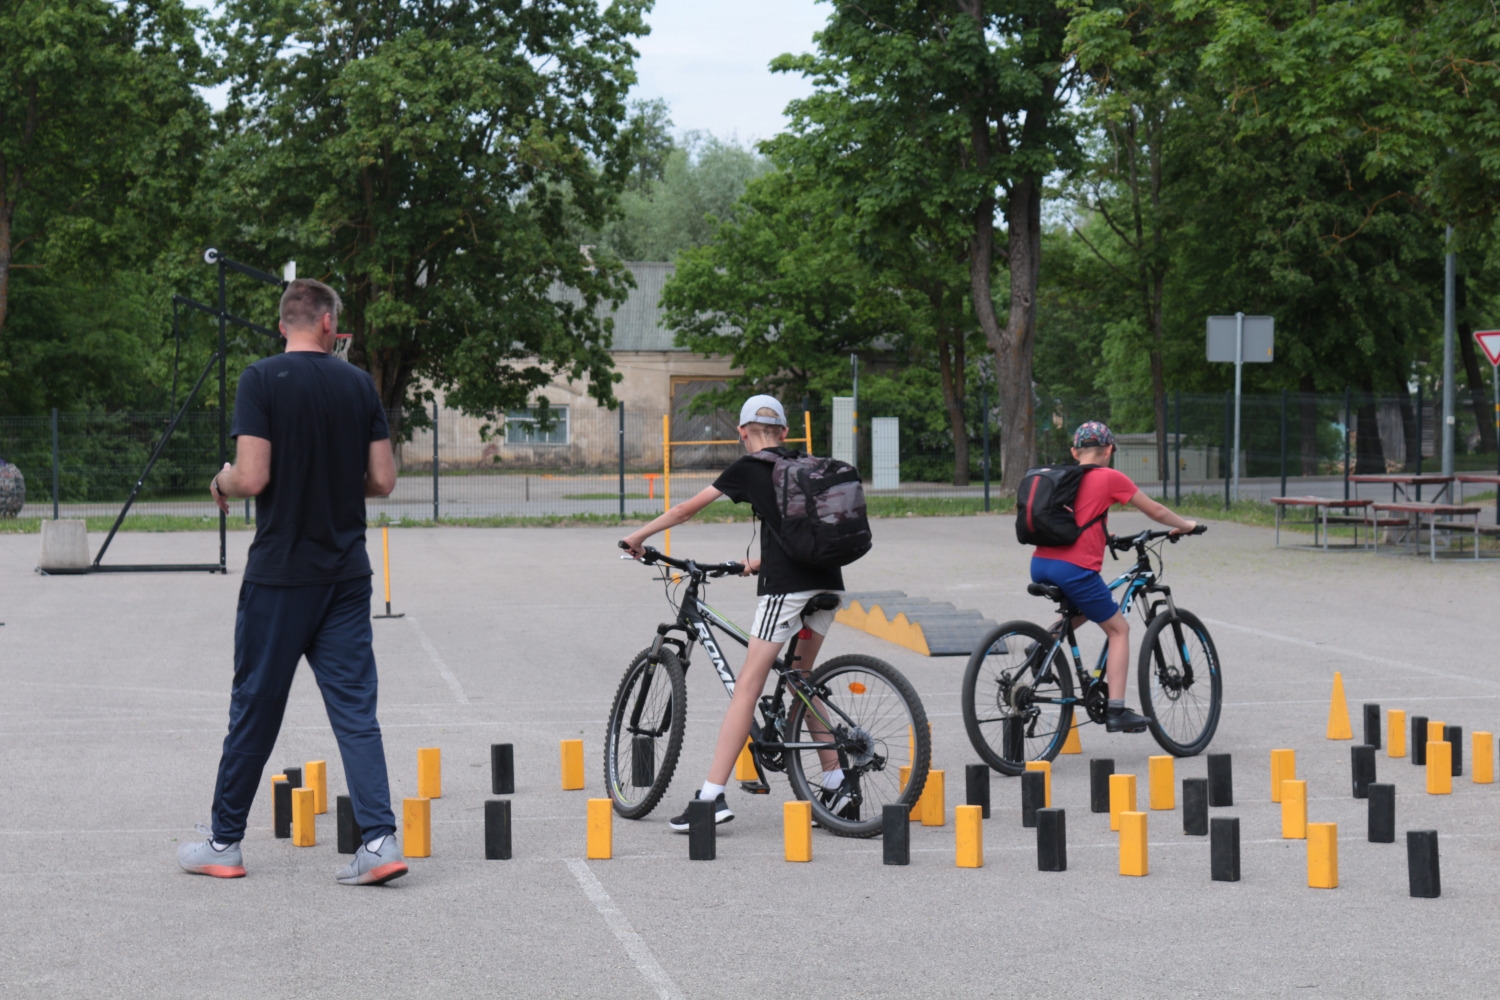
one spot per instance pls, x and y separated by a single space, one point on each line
755 787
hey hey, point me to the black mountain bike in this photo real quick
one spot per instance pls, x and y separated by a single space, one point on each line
853 712
1018 694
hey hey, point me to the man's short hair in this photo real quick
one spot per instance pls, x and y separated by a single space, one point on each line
305 301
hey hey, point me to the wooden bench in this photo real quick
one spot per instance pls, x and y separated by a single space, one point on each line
1415 514
1471 528
1321 517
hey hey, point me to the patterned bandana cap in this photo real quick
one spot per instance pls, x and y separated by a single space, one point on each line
1092 434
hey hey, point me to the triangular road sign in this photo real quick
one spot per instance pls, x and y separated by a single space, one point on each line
1489 343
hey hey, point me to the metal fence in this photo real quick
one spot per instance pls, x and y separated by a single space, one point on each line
593 461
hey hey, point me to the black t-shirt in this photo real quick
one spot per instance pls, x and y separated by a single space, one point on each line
748 480
320 415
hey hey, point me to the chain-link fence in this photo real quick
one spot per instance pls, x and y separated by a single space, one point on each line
586 460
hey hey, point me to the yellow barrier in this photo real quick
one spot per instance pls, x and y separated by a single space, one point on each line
1338 712
1439 767
416 823
968 824
315 775
1395 733
1121 797
430 773
572 765
601 830
304 825
1162 782
1293 810
1133 859
1323 855
1283 768
796 821
1045 766
898 630
1072 744
1484 758
744 765
934 809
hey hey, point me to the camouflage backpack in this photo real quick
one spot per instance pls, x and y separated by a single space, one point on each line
822 507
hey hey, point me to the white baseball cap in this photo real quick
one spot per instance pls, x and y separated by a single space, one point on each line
749 414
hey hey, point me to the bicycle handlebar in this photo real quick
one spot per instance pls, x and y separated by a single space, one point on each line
1121 544
651 557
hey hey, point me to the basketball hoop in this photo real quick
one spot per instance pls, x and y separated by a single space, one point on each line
341 342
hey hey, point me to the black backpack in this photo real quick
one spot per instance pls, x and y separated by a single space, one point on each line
1044 506
822 507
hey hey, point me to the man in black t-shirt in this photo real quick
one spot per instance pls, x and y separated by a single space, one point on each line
311 443
785 588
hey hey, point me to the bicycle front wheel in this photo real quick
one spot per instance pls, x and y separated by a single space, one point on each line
1181 685
1008 686
644 737
865 718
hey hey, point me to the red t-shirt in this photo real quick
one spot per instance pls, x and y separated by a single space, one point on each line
1099 490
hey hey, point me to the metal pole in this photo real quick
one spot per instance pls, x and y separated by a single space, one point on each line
622 459
1346 442
1283 442
1449 264
1177 458
1420 405
1228 419
56 458
1239 364
984 422
854 434
223 413
434 460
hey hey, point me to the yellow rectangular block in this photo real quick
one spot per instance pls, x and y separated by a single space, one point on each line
315 776
968 825
416 827
1434 731
913 815
572 765
1072 744
1323 855
1484 758
744 764
1439 767
1162 774
796 821
1045 766
304 818
275 778
1133 860
1121 797
601 829
1293 810
934 809
1395 733
430 772
1283 768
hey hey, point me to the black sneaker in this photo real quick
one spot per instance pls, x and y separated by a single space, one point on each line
1123 720
721 814
842 801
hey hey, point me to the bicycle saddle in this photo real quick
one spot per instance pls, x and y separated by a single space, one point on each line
1046 590
822 602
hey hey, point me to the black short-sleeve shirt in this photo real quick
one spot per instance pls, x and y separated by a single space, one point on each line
748 480
320 415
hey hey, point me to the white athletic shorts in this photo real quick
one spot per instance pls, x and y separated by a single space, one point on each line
778 616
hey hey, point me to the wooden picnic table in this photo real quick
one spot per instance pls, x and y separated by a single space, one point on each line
1320 511
1477 479
1402 483
1415 513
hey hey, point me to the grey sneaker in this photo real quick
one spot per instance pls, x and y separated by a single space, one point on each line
201 857
374 867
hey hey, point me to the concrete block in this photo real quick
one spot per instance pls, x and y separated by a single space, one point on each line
65 547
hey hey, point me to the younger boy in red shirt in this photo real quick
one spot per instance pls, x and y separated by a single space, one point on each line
1075 568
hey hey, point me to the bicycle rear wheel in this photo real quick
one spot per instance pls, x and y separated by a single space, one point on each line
644 737
1181 685
868 716
1001 688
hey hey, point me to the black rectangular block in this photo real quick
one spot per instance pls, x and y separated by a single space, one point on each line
1372 725
702 845
1195 807
1224 848
497 830
1419 740
1033 796
1051 840
1382 807
1455 737
349 830
293 776
1422 864
281 809
642 761
895 829
1100 768
502 769
977 787
1362 768
1012 739
1220 780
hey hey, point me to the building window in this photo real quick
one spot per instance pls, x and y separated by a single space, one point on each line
522 426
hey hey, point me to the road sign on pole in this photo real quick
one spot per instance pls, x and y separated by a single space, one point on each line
1241 339
1489 343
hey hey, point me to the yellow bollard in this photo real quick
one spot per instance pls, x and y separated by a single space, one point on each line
796 822
430 773
572 765
1283 768
1072 744
1439 767
601 830
275 778
1484 758
416 827
1395 733
1338 712
304 818
1121 797
1435 731
934 809
1133 860
744 765
1045 766
315 776
914 815
968 825
1293 810
1323 855
1162 782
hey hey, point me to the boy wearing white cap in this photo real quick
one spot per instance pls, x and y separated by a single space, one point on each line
785 587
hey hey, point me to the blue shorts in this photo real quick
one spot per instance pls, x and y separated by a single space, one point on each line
1084 587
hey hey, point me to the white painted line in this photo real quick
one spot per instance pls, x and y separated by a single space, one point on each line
458 692
634 945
